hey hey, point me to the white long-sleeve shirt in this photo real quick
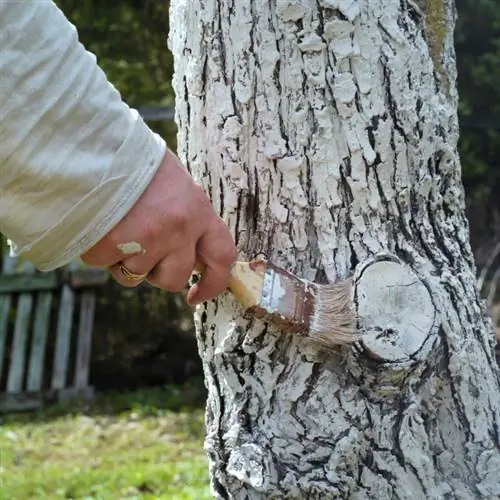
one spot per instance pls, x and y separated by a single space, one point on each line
74 157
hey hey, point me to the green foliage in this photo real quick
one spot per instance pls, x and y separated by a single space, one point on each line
130 445
477 40
129 39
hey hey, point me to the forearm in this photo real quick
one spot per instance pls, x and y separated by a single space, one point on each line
73 157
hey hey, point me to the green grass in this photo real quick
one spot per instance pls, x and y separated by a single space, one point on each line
140 445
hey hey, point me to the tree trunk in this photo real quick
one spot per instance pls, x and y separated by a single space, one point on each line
325 132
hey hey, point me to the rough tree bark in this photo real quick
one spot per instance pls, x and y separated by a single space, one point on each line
325 132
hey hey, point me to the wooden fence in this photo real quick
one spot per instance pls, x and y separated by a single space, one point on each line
46 322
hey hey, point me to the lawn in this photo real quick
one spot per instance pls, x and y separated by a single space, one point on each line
139 445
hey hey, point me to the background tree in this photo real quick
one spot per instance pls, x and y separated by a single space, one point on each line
478 55
477 43
326 133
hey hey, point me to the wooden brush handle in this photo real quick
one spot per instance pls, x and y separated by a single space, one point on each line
246 282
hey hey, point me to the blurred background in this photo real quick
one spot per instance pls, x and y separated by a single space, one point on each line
143 339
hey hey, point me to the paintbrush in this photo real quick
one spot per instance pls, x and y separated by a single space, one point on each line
324 313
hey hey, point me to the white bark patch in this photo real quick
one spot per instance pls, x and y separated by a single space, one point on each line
349 8
250 464
291 11
395 309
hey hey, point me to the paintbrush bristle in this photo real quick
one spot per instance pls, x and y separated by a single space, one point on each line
324 313
334 320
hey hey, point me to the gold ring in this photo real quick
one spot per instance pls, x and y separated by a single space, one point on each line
130 275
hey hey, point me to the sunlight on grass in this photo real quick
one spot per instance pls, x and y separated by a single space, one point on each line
143 445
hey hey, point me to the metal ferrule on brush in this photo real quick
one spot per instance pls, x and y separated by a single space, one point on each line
288 299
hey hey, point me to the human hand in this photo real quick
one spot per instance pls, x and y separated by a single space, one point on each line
170 229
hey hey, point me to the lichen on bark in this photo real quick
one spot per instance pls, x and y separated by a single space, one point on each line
436 15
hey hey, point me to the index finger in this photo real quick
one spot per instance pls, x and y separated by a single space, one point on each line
216 252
